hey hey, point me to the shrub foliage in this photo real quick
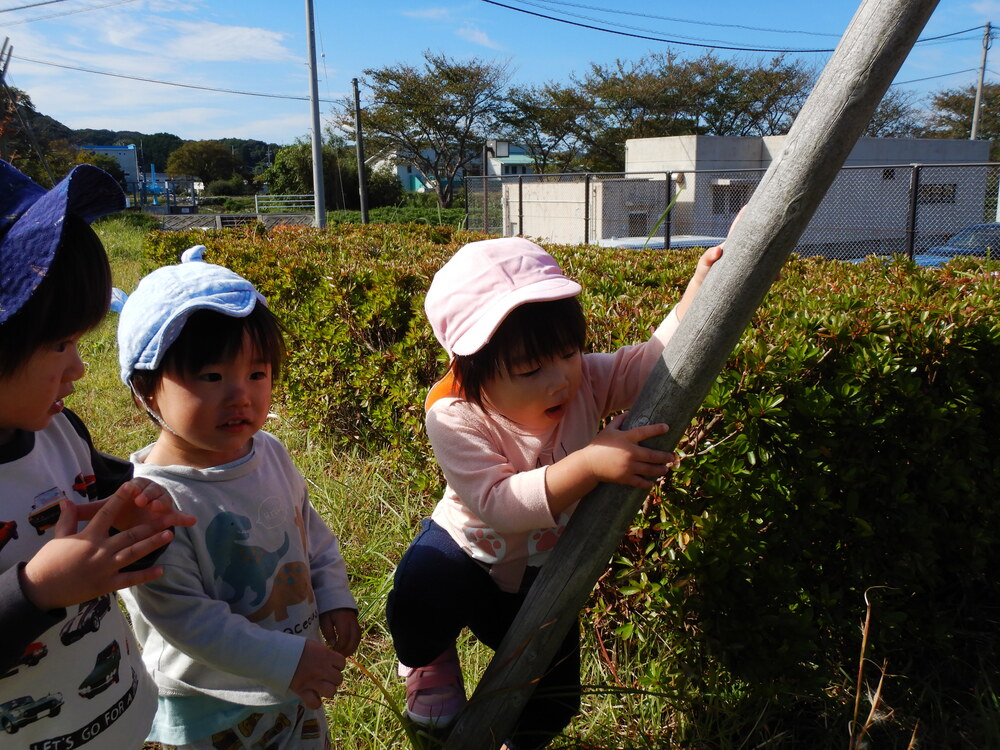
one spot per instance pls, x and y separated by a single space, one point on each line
848 450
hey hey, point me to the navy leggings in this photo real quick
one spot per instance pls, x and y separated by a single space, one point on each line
438 590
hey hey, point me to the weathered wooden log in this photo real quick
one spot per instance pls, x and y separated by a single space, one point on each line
867 58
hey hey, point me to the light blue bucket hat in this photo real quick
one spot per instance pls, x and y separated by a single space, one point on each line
153 316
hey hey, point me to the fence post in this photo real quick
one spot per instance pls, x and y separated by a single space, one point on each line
520 205
667 211
911 215
586 209
486 202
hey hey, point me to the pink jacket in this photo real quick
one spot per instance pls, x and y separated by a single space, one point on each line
494 505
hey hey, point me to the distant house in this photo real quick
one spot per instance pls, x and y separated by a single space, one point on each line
409 176
511 160
128 160
508 160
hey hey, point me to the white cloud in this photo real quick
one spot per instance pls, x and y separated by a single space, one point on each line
988 8
470 33
428 13
209 42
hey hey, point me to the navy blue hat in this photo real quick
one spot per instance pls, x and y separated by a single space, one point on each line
32 219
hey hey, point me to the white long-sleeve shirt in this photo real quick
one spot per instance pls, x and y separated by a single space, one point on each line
495 506
244 587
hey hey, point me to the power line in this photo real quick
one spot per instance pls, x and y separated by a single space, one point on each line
545 6
650 38
693 44
931 78
64 14
698 23
169 83
32 5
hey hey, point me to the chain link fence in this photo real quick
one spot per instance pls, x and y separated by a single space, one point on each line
869 210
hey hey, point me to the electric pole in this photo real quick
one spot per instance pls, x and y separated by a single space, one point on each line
359 144
976 110
319 194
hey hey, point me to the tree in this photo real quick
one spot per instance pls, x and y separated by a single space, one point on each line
662 95
752 99
292 174
544 119
434 117
951 115
155 149
897 116
208 160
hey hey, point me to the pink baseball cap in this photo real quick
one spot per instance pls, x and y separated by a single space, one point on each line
473 293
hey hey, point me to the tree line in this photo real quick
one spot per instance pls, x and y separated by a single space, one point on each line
436 116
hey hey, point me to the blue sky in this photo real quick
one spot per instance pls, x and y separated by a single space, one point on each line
64 49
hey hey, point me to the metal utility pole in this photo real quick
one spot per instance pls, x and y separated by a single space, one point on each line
976 111
867 58
359 143
319 193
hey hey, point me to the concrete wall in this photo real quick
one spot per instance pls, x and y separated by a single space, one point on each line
705 152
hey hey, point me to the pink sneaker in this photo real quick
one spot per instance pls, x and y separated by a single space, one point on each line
435 693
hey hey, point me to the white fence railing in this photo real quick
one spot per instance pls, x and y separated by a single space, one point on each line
264 203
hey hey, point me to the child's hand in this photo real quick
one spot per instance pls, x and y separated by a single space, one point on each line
705 263
78 566
318 675
151 504
341 629
615 455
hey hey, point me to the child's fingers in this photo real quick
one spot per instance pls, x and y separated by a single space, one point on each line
105 516
638 434
134 544
150 492
348 640
311 699
69 517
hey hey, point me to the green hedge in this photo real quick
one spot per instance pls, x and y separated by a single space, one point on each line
849 446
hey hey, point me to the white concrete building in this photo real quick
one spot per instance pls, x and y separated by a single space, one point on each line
713 177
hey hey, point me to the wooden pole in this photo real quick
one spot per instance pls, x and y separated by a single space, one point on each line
869 55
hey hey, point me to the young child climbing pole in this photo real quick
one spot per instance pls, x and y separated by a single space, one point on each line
515 428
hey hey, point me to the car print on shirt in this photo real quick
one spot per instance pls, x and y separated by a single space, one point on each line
25 710
85 485
8 531
86 620
32 654
45 509
104 673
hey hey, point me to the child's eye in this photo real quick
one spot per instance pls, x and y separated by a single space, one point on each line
529 373
210 377
571 354
259 375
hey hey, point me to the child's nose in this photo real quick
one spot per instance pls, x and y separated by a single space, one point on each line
77 368
559 379
239 393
